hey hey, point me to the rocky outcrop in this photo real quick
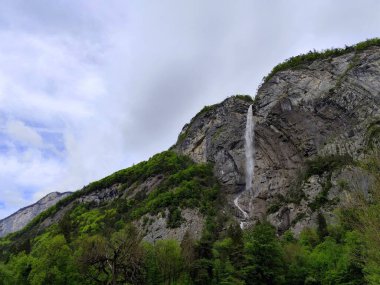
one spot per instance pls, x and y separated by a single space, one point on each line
324 108
216 135
155 227
315 125
23 216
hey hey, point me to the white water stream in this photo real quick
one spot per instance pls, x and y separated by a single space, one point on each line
249 149
245 214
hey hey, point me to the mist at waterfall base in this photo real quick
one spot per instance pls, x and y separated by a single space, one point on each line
249 150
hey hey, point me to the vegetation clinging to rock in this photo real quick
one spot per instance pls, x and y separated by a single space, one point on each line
184 184
302 59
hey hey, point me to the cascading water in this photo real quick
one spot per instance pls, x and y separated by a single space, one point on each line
249 149
245 214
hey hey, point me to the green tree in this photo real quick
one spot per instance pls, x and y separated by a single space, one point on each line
174 218
164 262
228 255
322 226
201 271
295 256
188 250
65 226
117 260
53 262
17 270
264 256
153 275
361 213
224 266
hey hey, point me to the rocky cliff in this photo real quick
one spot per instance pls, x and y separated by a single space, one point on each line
314 125
23 216
317 123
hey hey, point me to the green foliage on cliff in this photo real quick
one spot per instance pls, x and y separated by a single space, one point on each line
325 165
322 166
88 233
192 187
373 134
329 163
98 244
181 184
163 163
304 59
346 253
208 108
246 98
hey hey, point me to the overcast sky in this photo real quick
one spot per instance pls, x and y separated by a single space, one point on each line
90 87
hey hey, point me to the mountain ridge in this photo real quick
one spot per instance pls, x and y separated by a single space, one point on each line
303 91
174 219
317 114
23 216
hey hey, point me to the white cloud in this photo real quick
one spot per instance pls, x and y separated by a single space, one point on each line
22 175
21 133
91 86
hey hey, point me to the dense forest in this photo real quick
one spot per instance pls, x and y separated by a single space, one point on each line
100 244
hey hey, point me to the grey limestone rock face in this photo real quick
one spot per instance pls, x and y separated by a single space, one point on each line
23 216
319 109
156 226
217 136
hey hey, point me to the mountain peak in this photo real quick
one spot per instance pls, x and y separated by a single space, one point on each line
22 217
314 122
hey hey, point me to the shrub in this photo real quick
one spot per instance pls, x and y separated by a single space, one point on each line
302 59
373 134
246 98
322 164
174 219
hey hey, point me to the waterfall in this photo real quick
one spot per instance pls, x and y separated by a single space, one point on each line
249 150
245 214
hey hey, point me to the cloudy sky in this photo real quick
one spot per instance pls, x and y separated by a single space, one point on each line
90 87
